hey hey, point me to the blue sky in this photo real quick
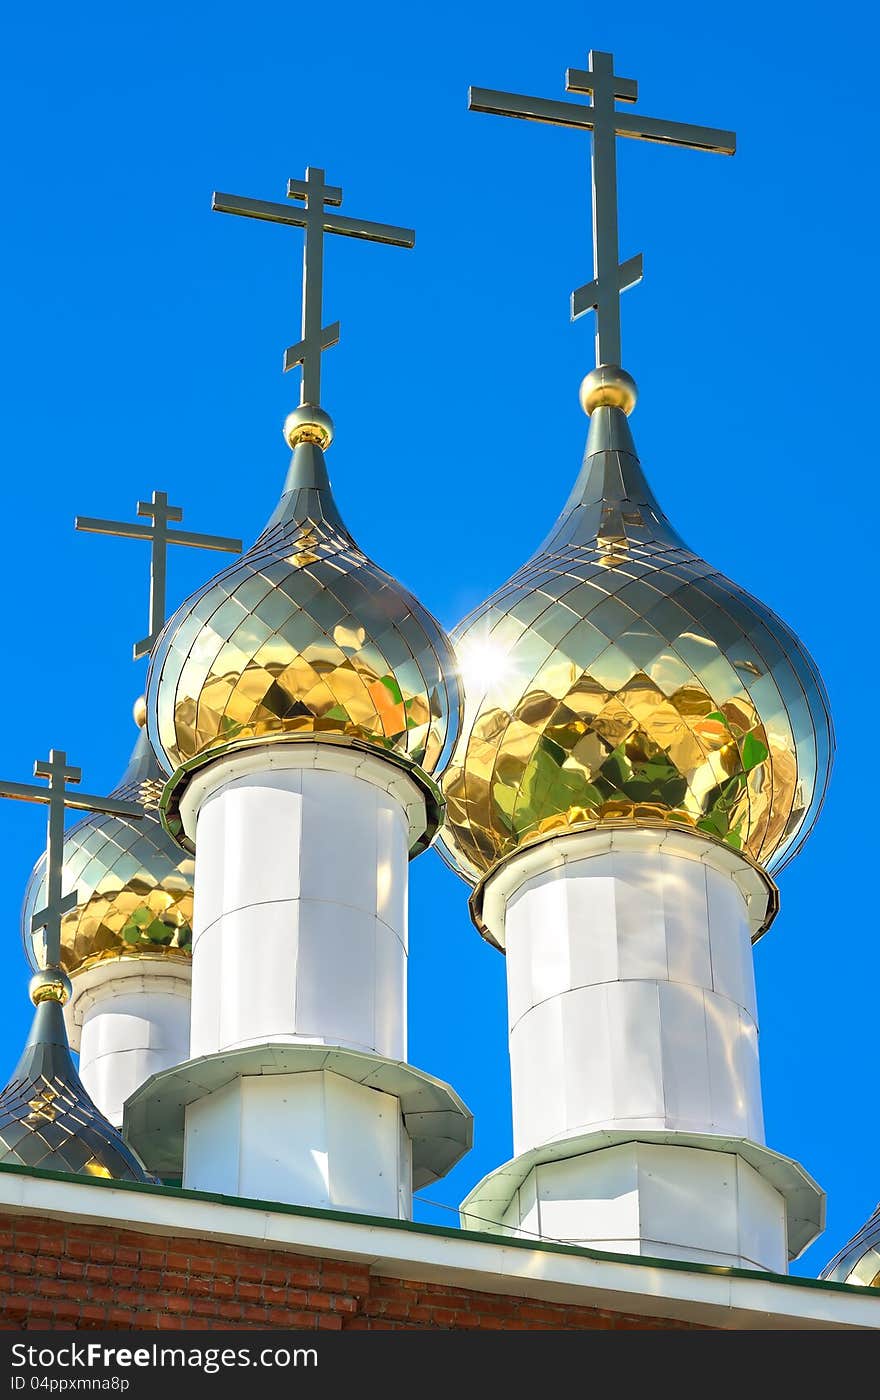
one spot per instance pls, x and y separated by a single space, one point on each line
142 349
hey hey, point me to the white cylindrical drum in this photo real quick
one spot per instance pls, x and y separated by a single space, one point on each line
297 1088
300 919
631 988
129 1020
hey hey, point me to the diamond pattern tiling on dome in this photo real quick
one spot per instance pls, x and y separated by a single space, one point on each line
303 635
134 884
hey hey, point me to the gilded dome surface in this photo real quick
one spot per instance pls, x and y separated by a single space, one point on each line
134 884
859 1261
303 635
618 677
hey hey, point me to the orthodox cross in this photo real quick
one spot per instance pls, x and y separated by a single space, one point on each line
57 797
316 221
160 513
610 276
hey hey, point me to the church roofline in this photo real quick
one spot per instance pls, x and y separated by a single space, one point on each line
709 1294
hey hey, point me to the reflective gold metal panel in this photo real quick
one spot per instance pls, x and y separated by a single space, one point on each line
303 635
134 884
618 677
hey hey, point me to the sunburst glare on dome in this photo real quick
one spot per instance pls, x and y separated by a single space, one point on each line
483 662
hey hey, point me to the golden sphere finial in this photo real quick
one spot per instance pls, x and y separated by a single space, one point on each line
608 386
308 423
139 711
50 985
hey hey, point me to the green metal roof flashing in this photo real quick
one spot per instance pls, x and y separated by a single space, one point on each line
444 1231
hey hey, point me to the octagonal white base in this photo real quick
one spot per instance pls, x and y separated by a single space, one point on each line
675 1203
698 1197
312 1139
277 1123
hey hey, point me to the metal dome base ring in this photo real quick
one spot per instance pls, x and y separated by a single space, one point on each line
176 787
677 831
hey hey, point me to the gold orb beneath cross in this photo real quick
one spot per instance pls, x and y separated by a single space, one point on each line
308 424
609 386
50 985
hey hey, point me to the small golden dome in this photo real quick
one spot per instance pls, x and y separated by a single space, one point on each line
303 636
617 677
134 885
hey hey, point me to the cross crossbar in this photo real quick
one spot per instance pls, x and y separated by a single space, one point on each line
606 123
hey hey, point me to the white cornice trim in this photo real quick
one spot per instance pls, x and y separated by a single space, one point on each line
650 1289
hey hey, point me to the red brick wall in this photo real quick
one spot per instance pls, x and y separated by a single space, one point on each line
62 1274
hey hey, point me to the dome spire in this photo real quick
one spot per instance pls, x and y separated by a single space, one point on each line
611 502
46 1117
304 637
133 886
610 276
309 424
160 537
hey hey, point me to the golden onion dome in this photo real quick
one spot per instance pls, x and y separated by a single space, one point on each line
859 1261
303 636
619 678
134 885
